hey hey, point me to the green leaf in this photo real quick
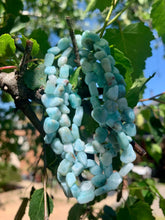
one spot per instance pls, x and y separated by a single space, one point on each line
74 77
35 48
75 212
42 39
136 91
162 205
124 65
134 42
97 4
13 8
138 211
109 213
36 208
7 46
35 78
158 17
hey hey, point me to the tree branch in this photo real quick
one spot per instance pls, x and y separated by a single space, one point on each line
25 107
72 35
25 58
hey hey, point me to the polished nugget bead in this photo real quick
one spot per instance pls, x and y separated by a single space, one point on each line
77 168
64 121
74 100
114 181
50 70
100 115
49 59
75 132
79 145
65 135
70 179
85 196
126 169
63 43
98 180
106 158
75 190
77 119
54 50
64 167
54 113
128 155
57 146
82 157
50 125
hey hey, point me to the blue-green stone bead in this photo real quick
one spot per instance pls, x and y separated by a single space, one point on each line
101 190
65 135
75 132
129 129
100 115
82 157
54 113
70 179
90 163
75 190
89 149
126 169
122 91
101 134
49 137
64 109
50 70
64 167
98 180
128 155
69 156
113 92
75 100
98 147
114 181
63 43
77 168
54 50
62 61
106 158
79 145
122 140
88 38
49 59
77 119
85 196
51 100
95 170
50 125
93 89
64 121
128 115
57 146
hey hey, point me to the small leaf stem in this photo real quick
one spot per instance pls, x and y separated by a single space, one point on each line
106 20
106 23
8 67
152 98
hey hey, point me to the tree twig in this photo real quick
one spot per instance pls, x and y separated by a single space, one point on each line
46 214
152 98
138 148
72 35
25 58
25 107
